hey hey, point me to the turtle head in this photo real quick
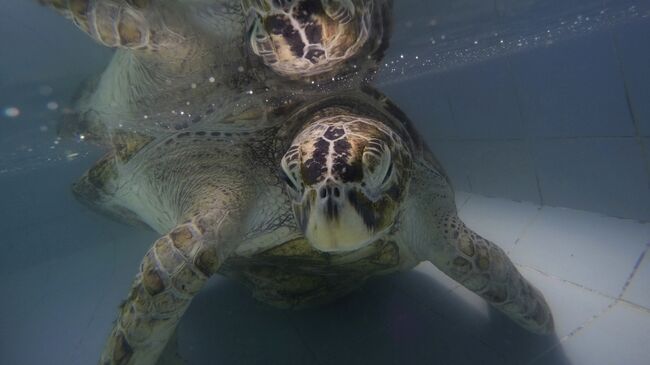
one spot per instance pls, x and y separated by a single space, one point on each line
347 176
303 38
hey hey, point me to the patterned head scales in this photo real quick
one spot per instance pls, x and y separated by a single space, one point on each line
303 38
347 176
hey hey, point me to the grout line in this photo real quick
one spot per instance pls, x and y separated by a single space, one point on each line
594 291
596 316
630 106
587 323
573 333
460 206
524 230
635 306
634 271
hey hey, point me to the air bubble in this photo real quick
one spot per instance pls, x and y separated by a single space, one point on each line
12 112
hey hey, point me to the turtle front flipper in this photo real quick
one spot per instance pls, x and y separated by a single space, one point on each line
99 185
437 234
131 24
174 270
483 267
171 274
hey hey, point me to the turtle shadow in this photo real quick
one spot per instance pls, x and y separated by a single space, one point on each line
405 318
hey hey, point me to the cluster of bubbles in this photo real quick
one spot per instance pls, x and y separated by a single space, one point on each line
439 51
32 146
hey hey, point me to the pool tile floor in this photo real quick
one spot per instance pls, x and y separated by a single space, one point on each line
593 270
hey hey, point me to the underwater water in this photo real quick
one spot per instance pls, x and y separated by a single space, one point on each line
538 110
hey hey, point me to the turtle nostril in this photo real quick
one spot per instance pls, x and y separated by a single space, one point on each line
323 193
337 192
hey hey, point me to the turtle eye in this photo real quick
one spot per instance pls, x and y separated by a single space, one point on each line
377 165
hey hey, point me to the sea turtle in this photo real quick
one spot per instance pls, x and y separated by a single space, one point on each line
181 65
178 62
308 38
301 210
300 191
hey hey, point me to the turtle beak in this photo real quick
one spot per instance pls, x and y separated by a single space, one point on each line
329 222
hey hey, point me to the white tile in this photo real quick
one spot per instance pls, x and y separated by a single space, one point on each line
483 101
620 336
605 175
498 220
433 121
499 168
502 168
455 161
571 307
585 96
638 291
586 248
475 101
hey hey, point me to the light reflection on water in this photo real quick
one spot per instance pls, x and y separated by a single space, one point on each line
421 44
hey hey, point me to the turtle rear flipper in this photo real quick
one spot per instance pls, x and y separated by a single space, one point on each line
79 125
83 121
96 189
98 186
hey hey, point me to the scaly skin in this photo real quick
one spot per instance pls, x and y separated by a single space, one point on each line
171 274
220 198
130 24
437 234
308 39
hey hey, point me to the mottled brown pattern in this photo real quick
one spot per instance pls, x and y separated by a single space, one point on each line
127 144
310 37
129 31
99 175
484 268
122 352
294 274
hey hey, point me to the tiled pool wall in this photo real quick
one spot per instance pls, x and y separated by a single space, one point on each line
565 124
